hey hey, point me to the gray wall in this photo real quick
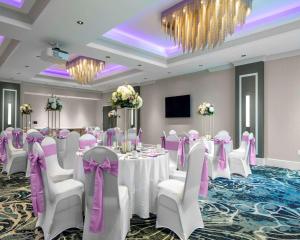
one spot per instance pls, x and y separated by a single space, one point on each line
216 88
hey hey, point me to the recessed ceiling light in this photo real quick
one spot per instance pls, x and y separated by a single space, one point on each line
243 55
80 22
18 73
27 66
107 57
140 65
38 56
169 72
200 65
145 78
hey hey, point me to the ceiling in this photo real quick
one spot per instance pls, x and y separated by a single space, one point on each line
131 42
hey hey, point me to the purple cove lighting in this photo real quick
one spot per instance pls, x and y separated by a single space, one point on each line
290 13
1 39
13 3
277 16
110 70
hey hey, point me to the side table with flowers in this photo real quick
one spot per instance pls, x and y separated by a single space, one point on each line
53 107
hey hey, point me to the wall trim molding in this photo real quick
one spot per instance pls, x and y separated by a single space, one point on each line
271 162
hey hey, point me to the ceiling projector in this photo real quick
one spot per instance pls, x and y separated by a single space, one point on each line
55 55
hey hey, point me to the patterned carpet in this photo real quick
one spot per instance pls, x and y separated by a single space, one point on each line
263 206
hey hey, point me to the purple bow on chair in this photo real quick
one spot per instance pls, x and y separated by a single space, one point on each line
252 156
37 164
17 141
111 167
222 153
3 154
33 139
109 140
203 191
181 150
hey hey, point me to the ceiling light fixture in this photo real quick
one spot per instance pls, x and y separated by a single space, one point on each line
200 24
107 57
80 22
84 69
243 55
139 65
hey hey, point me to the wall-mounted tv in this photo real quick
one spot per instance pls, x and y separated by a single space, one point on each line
178 106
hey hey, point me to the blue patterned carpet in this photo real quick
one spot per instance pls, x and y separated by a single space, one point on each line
263 206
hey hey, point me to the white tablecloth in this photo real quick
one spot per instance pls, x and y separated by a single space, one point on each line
141 175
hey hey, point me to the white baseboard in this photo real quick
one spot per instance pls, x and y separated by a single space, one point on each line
271 162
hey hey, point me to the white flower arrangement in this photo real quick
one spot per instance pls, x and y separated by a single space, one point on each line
26 108
126 96
54 104
112 114
206 109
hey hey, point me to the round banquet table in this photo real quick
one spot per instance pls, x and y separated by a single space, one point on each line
141 175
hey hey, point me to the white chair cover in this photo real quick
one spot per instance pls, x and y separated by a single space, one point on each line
215 170
172 132
173 153
31 131
72 146
239 158
87 141
178 207
63 200
16 158
56 172
115 200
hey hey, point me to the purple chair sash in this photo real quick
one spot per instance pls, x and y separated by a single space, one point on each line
63 134
3 154
181 150
17 138
111 167
252 156
86 143
49 150
109 136
222 153
33 139
171 145
245 138
163 141
37 164
44 131
203 191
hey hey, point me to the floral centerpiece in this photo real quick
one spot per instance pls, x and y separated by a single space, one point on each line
126 97
54 104
206 109
112 114
26 109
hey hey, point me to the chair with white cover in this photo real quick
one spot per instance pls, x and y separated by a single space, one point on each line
111 219
56 172
172 132
32 130
87 141
72 146
110 137
16 157
58 206
239 158
219 161
32 137
178 208
171 144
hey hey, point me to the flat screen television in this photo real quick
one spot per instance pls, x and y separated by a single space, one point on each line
178 106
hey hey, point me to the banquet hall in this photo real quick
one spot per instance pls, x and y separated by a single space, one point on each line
153 119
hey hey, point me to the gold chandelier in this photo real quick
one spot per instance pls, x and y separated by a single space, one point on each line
84 69
199 24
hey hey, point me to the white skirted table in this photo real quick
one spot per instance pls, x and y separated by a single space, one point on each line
141 174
